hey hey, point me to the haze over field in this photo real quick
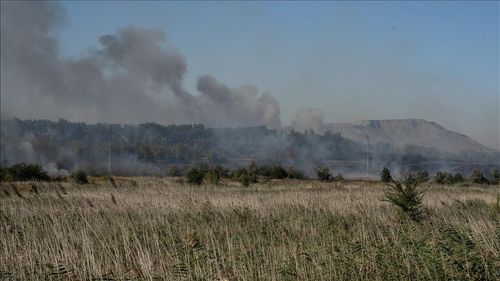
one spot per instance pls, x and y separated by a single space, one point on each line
249 140
182 63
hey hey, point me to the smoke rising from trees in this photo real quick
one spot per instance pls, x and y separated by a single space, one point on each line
133 76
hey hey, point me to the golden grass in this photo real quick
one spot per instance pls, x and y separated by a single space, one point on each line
152 228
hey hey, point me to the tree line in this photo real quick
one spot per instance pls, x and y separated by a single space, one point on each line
150 148
248 175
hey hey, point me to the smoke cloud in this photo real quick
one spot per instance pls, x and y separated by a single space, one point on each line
134 76
308 118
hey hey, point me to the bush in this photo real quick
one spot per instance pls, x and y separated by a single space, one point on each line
243 176
195 176
422 176
212 177
478 177
385 175
447 178
294 174
418 177
495 177
80 177
3 173
223 173
272 172
338 177
323 173
237 173
407 197
245 180
457 178
252 171
24 172
174 171
441 177
277 172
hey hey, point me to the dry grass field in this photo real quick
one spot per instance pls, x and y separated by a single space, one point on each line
163 229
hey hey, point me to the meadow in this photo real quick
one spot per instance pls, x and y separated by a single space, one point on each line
160 228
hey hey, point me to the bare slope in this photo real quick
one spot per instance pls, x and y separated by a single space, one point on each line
402 132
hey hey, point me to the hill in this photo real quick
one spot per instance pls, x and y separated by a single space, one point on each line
404 132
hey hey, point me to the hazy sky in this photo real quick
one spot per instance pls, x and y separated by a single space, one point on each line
361 60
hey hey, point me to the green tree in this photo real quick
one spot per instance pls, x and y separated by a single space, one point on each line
272 172
457 178
195 176
80 177
385 175
323 173
407 197
478 177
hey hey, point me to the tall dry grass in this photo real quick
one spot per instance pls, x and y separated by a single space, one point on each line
161 229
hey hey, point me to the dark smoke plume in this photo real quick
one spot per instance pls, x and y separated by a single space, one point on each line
134 76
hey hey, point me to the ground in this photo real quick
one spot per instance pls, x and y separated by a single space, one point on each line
156 228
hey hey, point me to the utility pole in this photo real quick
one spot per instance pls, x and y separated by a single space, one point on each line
367 156
109 152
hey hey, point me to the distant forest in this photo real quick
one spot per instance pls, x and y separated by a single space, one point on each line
151 148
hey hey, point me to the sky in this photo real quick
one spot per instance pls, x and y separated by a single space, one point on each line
350 61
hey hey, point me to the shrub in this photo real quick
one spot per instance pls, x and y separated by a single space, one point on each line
25 172
338 177
294 173
237 173
422 176
195 176
203 168
242 175
323 173
277 172
418 177
80 177
441 177
223 173
407 197
495 177
212 177
272 172
245 180
3 173
174 171
478 177
252 170
457 178
385 175
447 178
